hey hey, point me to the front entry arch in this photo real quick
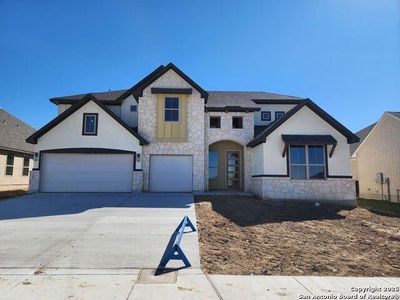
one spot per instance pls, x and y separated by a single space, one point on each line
225 166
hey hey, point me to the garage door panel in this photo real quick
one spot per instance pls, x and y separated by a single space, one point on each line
171 173
86 172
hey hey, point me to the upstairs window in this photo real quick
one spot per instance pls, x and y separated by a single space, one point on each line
279 114
307 162
237 122
25 167
133 108
90 122
265 116
215 122
171 109
10 165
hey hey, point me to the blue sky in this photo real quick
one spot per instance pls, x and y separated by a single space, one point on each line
343 54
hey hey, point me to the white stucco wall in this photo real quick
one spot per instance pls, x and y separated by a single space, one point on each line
305 121
130 118
272 108
258 160
116 109
68 134
194 144
63 107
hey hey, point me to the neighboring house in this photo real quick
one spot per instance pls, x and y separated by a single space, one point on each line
378 152
167 134
15 153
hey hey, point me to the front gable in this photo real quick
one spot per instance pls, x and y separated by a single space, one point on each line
65 131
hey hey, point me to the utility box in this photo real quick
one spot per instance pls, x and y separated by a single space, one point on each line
379 178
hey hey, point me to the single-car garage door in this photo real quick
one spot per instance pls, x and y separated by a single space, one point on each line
65 172
171 173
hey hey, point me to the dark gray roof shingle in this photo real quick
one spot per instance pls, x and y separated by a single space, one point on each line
242 99
215 98
13 133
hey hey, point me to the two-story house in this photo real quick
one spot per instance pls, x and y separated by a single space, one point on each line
168 134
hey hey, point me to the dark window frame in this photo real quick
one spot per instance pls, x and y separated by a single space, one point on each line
10 166
133 108
268 113
218 122
277 113
240 123
171 109
307 163
25 167
96 115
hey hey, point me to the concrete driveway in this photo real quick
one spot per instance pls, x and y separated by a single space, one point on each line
93 231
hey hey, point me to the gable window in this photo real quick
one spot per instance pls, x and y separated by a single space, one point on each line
133 108
171 109
307 162
10 165
265 116
25 167
237 122
90 122
215 122
279 114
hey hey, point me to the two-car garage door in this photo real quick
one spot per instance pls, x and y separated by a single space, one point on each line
78 172
67 172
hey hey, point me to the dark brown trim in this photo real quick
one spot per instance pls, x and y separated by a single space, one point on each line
232 109
277 101
261 138
156 90
137 89
61 117
83 124
88 151
326 161
73 101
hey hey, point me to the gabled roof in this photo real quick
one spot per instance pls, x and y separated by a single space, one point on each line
364 134
137 89
61 117
261 138
13 133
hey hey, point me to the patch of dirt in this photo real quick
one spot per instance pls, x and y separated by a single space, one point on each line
242 235
11 194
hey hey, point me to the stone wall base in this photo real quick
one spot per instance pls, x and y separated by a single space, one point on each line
332 189
137 181
34 181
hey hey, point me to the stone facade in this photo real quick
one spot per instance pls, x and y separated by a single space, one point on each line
137 181
226 132
337 189
194 144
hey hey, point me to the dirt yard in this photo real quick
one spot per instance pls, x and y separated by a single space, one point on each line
245 235
11 194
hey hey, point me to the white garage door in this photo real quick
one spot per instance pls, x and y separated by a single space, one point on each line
63 172
171 173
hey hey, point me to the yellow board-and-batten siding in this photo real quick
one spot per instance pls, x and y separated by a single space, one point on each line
171 131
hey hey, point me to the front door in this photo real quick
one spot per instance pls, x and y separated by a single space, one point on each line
225 166
233 169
